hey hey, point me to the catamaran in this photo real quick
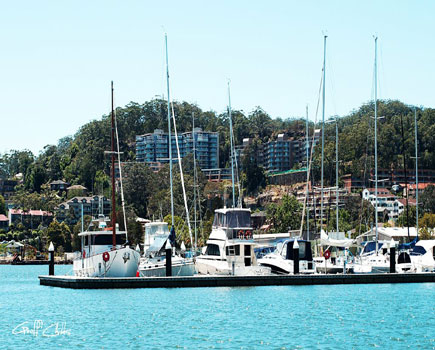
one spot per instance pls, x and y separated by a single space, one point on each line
105 252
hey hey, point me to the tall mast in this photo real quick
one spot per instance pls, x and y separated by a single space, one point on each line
194 177
323 129
231 145
113 174
376 142
307 146
336 171
416 170
169 131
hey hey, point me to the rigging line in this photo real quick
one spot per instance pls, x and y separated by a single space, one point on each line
120 177
181 174
311 158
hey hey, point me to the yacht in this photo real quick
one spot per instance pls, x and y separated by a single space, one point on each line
105 252
99 257
281 261
373 259
423 256
153 262
230 247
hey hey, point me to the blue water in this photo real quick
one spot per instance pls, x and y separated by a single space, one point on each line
388 316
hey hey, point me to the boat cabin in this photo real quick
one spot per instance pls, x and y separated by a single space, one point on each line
97 242
156 235
236 222
285 248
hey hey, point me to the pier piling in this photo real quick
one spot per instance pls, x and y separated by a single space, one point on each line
51 263
296 257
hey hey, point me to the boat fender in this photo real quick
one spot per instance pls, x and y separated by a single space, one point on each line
106 256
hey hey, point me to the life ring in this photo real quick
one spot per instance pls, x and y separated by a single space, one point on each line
241 234
106 256
327 254
248 235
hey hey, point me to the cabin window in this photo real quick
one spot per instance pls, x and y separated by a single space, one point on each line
107 239
212 249
86 240
433 252
238 249
247 251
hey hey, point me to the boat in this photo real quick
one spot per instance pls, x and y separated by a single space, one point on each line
230 247
281 261
153 263
423 256
105 252
339 245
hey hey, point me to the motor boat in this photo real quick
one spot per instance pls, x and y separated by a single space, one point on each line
423 256
281 261
230 247
153 262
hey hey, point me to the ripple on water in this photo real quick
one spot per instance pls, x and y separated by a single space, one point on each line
282 317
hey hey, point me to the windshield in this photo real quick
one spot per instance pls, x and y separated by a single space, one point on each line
233 219
418 250
156 229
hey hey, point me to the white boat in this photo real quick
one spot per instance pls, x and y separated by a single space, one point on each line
105 253
423 256
230 247
281 261
99 259
373 259
153 263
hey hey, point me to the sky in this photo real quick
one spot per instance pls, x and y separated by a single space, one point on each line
57 58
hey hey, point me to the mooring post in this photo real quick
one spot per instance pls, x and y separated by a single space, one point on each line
392 256
168 249
295 257
51 263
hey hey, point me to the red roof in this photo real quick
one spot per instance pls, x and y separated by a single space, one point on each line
410 201
3 218
421 186
30 212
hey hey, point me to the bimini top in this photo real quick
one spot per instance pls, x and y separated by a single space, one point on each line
232 218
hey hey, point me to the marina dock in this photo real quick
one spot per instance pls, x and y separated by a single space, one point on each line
230 281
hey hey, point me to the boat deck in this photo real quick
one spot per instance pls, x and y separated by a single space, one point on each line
230 281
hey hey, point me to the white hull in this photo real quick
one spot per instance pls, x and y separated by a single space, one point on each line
206 266
123 262
279 265
155 267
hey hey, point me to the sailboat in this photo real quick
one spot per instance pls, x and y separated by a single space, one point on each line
230 247
153 262
372 258
106 253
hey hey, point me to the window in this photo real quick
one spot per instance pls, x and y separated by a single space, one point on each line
107 239
212 249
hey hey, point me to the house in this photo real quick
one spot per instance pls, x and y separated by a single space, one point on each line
71 210
59 186
385 202
412 188
4 222
30 219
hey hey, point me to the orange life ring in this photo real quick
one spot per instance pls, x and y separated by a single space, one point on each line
248 235
241 234
106 256
327 254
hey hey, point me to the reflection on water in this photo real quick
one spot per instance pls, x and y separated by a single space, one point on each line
394 316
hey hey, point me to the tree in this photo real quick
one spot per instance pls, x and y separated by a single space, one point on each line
2 205
181 229
253 176
284 216
407 220
427 199
59 234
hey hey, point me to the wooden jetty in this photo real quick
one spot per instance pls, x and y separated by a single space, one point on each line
230 281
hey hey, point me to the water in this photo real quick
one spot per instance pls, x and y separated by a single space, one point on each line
388 316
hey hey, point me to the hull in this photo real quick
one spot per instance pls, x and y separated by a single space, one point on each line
123 262
279 265
155 267
223 268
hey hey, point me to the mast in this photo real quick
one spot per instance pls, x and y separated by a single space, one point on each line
376 143
113 175
336 171
194 177
169 132
416 171
323 129
231 145
307 146
406 177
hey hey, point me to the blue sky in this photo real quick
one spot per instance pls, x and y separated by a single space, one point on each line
57 58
